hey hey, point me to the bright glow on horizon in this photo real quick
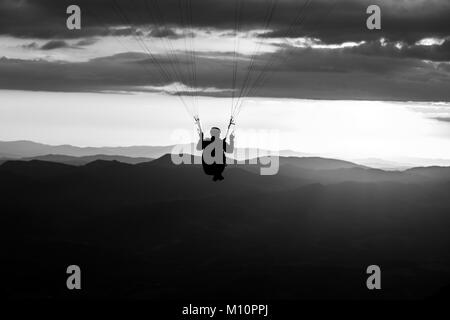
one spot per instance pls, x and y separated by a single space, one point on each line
340 129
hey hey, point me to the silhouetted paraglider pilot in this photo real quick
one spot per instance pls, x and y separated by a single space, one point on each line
214 149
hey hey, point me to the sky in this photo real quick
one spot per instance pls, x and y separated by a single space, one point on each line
309 70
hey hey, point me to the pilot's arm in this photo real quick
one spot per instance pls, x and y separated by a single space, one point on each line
229 147
200 133
200 142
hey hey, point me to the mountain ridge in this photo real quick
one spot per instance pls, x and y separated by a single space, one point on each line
135 223
28 150
302 170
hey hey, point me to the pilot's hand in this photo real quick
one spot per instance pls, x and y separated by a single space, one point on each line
232 136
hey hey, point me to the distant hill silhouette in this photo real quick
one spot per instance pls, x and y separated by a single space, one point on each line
154 230
14 150
432 173
315 163
79 161
26 149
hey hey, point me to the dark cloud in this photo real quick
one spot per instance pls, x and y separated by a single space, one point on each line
338 21
55 44
445 67
120 32
164 33
299 73
86 42
32 46
373 70
442 119
118 72
59 44
332 21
